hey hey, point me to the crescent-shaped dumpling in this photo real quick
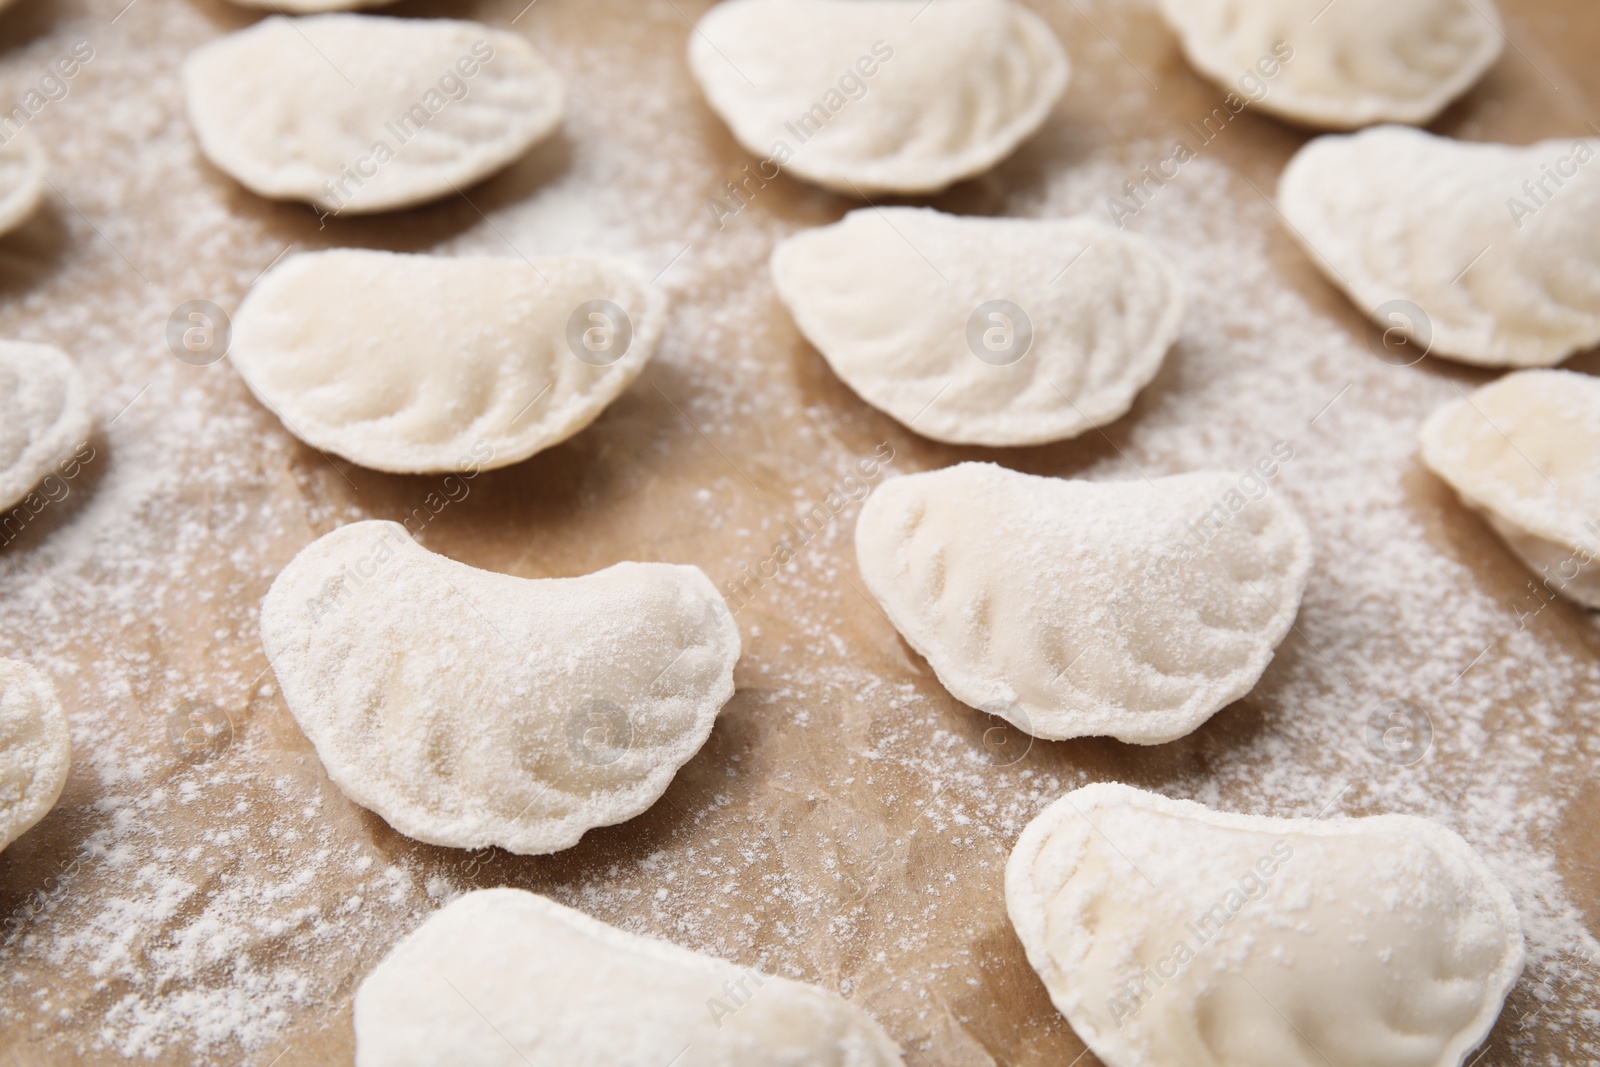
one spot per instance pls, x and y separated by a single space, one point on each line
364 113
1171 935
35 749
435 363
1525 451
983 330
470 708
22 178
866 96
506 978
44 415
1485 253
1341 64
310 7
1072 608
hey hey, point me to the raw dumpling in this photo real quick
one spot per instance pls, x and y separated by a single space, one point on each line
44 415
311 7
470 708
21 178
1171 935
1010 332
432 363
866 96
1485 253
1525 451
364 113
35 749
1341 64
1072 608
506 978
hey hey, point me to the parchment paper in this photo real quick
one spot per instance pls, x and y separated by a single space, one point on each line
203 894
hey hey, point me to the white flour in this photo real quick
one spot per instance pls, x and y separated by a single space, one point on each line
847 823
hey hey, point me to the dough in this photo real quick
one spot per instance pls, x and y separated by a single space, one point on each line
1073 608
1525 451
1340 65
310 7
364 113
433 363
1092 312
35 749
22 167
505 978
1171 935
1496 272
865 96
470 708
44 415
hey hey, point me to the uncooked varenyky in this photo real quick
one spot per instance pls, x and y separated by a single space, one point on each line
1344 64
35 748
1171 935
505 978
436 363
44 415
868 96
360 113
982 330
1485 253
1525 452
470 708
1072 608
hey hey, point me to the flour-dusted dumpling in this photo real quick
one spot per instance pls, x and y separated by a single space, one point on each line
1071 608
366 113
22 167
866 96
1485 253
35 749
311 7
432 363
1010 332
470 708
1171 935
1343 64
506 978
1525 451
44 415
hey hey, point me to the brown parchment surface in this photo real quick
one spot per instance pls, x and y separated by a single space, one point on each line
848 821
